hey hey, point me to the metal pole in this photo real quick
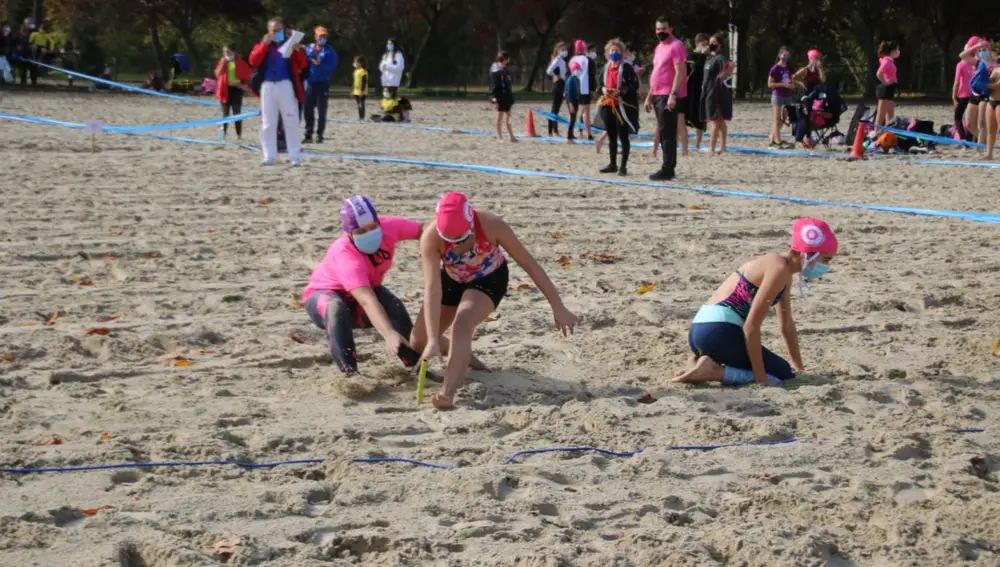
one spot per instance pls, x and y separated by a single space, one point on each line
734 38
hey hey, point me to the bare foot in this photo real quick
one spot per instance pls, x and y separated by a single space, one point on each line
442 402
513 140
684 153
500 138
705 370
691 362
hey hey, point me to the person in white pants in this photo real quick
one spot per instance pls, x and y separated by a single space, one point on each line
280 91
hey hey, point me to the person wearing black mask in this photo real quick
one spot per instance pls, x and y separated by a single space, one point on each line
667 86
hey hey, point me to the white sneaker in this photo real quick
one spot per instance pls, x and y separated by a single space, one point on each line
296 162
267 162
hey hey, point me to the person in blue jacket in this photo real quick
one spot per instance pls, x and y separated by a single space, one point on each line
322 63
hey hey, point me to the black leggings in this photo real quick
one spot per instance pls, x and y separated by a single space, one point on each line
558 89
360 100
340 318
616 131
234 107
572 120
963 103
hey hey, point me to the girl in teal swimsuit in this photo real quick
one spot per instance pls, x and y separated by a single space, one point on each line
725 334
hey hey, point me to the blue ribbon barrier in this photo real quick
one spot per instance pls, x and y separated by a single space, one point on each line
126 129
931 138
123 86
993 218
417 462
565 121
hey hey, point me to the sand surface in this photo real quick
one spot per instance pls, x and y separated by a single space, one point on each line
195 252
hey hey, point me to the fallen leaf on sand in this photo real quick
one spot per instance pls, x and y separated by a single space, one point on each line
301 339
106 436
599 258
109 318
223 548
407 299
265 201
520 287
94 511
116 230
646 288
558 235
696 208
52 320
563 259
148 256
56 440
647 399
99 331
996 348
181 362
8 356
85 281
297 304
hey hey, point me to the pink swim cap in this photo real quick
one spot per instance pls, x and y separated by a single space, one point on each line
972 41
811 235
580 46
454 217
814 54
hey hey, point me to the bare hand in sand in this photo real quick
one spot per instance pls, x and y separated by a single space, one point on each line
431 351
565 320
393 342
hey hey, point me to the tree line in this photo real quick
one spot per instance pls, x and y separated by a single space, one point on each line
452 42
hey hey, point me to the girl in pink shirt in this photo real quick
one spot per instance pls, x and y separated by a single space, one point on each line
888 52
345 291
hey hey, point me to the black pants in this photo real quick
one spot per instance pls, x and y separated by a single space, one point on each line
963 103
341 318
233 107
558 89
360 100
666 119
616 131
392 91
317 97
29 69
572 121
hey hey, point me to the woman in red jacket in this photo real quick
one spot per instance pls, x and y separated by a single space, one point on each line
231 73
277 80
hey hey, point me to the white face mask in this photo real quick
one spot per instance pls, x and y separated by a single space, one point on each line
563 53
386 94
592 55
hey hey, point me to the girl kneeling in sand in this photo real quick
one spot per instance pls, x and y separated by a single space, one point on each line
345 291
465 278
725 335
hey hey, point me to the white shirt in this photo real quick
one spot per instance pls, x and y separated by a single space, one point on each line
392 71
585 76
558 64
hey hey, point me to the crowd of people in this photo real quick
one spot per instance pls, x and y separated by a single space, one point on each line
33 42
976 94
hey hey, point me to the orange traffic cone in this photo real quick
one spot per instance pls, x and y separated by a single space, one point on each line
531 124
858 151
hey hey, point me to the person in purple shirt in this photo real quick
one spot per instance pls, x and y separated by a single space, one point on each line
779 80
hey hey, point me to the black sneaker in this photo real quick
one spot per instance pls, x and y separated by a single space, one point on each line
610 169
662 175
622 171
319 139
307 140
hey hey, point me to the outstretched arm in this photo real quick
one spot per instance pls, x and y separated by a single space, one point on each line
430 258
565 320
791 335
776 278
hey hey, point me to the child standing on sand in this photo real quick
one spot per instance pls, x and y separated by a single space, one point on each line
502 93
573 97
725 335
359 90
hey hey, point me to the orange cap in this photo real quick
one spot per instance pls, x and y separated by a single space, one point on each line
320 30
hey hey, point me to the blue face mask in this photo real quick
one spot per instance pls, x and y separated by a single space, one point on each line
321 41
390 47
615 56
784 58
279 36
368 242
983 54
815 271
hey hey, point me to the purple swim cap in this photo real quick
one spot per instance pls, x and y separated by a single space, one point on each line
356 212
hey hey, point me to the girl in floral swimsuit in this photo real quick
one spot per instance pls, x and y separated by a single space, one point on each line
465 278
725 334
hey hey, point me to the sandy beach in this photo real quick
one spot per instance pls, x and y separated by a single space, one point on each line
149 314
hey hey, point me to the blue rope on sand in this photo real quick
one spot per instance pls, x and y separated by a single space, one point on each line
377 460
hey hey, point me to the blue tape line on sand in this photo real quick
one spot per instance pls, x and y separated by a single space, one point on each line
932 138
969 215
417 462
565 121
122 129
126 87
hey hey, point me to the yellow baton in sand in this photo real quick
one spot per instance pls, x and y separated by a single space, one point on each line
421 381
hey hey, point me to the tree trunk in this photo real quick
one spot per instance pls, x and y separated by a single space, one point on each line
187 36
161 60
432 25
871 56
742 22
543 44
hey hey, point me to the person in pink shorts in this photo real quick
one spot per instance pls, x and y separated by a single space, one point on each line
465 278
346 291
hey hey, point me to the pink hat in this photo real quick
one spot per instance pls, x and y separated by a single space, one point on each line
814 54
580 46
972 41
454 217
811 235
